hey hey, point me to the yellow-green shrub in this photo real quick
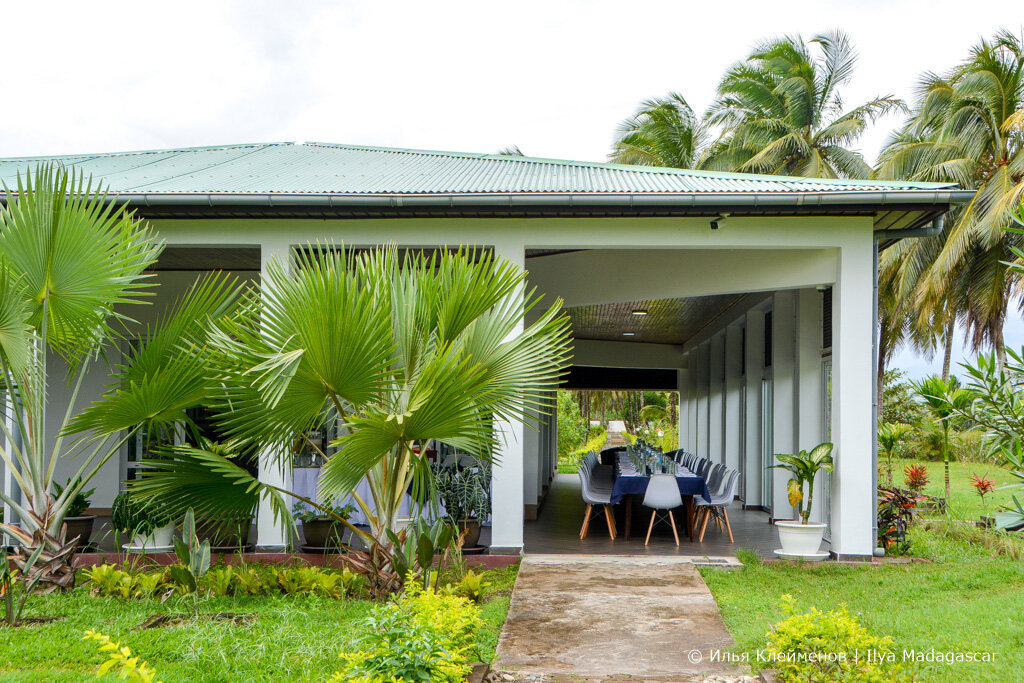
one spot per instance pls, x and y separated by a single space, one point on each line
419 636
828 647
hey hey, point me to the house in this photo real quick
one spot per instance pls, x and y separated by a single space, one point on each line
751 296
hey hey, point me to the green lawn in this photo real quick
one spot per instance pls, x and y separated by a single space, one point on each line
966 600
293 638
965 502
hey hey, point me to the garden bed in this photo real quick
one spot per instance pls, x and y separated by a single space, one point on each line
290 637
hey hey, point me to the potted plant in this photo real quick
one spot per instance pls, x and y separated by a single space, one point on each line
801 538
319 530
464 492
226 533
79 524
148 522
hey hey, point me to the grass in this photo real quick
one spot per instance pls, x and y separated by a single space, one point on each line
293 638
967 599
965 503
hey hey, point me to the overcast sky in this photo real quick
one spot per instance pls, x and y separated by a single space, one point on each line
553 77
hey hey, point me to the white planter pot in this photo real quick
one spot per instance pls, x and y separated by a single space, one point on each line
801 540
160 538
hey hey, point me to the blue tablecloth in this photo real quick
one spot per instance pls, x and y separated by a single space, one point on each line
630 484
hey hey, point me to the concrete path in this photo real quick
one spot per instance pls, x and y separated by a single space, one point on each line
601 616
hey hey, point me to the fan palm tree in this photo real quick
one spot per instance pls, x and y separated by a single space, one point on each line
968 127
394 352
71 266
663 132
782 112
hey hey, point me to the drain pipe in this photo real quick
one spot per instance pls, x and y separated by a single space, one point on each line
927 231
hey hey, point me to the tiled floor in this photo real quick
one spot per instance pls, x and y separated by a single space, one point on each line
558 526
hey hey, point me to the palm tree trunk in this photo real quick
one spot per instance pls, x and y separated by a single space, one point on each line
999 343
945 459
947 352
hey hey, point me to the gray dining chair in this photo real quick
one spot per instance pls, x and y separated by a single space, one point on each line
595 496
717 506
714 478
662 496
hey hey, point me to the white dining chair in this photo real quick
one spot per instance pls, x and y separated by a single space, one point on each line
662 496
718 506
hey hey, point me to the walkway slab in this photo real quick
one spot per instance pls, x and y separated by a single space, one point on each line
605 616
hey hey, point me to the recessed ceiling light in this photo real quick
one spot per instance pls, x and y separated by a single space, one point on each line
628 334
639 311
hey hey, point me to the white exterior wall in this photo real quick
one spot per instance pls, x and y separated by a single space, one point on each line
703 382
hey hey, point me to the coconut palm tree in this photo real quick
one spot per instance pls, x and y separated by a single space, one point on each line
782 112
72 265
663 132
395 352
967 126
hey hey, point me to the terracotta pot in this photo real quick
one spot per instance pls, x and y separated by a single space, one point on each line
324 533
81 527
472 525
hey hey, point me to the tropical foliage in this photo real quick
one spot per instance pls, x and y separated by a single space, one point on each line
72 265
779 111
804 466
394 351
967 127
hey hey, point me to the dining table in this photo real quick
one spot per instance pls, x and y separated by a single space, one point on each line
628 481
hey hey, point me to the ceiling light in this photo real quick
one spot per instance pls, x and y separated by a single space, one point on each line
628 334
639 311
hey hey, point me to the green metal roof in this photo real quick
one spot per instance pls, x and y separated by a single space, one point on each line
329 169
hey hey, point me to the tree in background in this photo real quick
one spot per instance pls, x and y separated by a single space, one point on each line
967 126
572 426
663 132
782 113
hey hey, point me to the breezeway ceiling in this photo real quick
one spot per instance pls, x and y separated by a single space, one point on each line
668 321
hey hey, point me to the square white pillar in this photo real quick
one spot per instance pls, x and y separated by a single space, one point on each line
753 350
703 355
784 394
716 398
809 386
732 437
274 468
507 475
852 494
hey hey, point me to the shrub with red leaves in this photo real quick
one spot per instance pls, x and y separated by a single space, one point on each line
916 477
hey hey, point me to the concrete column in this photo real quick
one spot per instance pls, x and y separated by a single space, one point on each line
732 441
753 350
853 500
809 394
716 399
682 386
703 355
507 488
784 386
274 467
692 375
531 468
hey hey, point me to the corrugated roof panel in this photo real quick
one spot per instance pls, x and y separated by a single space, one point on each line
320 168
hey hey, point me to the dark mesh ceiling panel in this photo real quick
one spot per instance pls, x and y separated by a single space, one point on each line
668 321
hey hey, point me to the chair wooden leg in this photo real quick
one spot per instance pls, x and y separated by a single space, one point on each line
650 527
704 524
673 521
725 513
610 518
586 522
